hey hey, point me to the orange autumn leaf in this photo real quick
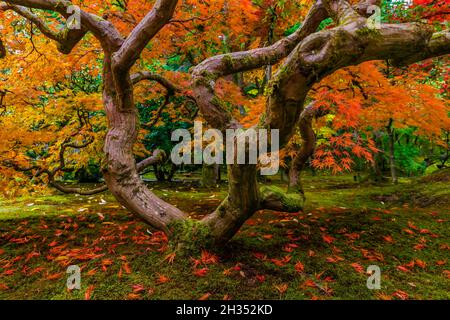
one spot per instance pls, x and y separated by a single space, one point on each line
88 293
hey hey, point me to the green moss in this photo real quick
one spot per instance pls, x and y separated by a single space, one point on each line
228 60
190 236
368 32
291 201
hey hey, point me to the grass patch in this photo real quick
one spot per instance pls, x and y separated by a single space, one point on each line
320 253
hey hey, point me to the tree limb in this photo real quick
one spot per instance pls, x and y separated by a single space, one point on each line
135 43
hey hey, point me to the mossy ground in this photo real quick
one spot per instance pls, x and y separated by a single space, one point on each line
344 228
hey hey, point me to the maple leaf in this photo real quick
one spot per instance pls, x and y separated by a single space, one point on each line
402 295
138 288
299 267
309 283
133 296
54 276
170 257
88 293
420 263
205 296
126 267
403 268
441 262
260 256
162 279
282 288
208 258
328 239
281 262
358 268
201 272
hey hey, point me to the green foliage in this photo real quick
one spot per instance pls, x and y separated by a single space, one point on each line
159 136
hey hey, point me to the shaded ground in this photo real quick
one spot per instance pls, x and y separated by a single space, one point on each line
321 253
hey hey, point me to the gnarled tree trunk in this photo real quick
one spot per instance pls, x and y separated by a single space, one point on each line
310 56
307 148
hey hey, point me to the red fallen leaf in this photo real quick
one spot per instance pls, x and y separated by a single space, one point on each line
411 264
408 231
54 276
53 243
106 263
376 218
446 273
127 268
287 249
31 255
237 267
334 259
267 236
358 268
311 253
260 256
402 268
88 293
260 278
170 257
327 238
133 296
411 225
138 288
402 295
420 263
424 231
383 296
352 236
227 272
162 279
209 258
419 246
201 272
309 283
92 272
441 262
2 251
9 272
282 288
205 296
197 262
299 267
281 262
388 239
35 270
3 287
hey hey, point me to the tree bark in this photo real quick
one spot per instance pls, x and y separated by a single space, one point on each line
391 137
210 175
307 148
